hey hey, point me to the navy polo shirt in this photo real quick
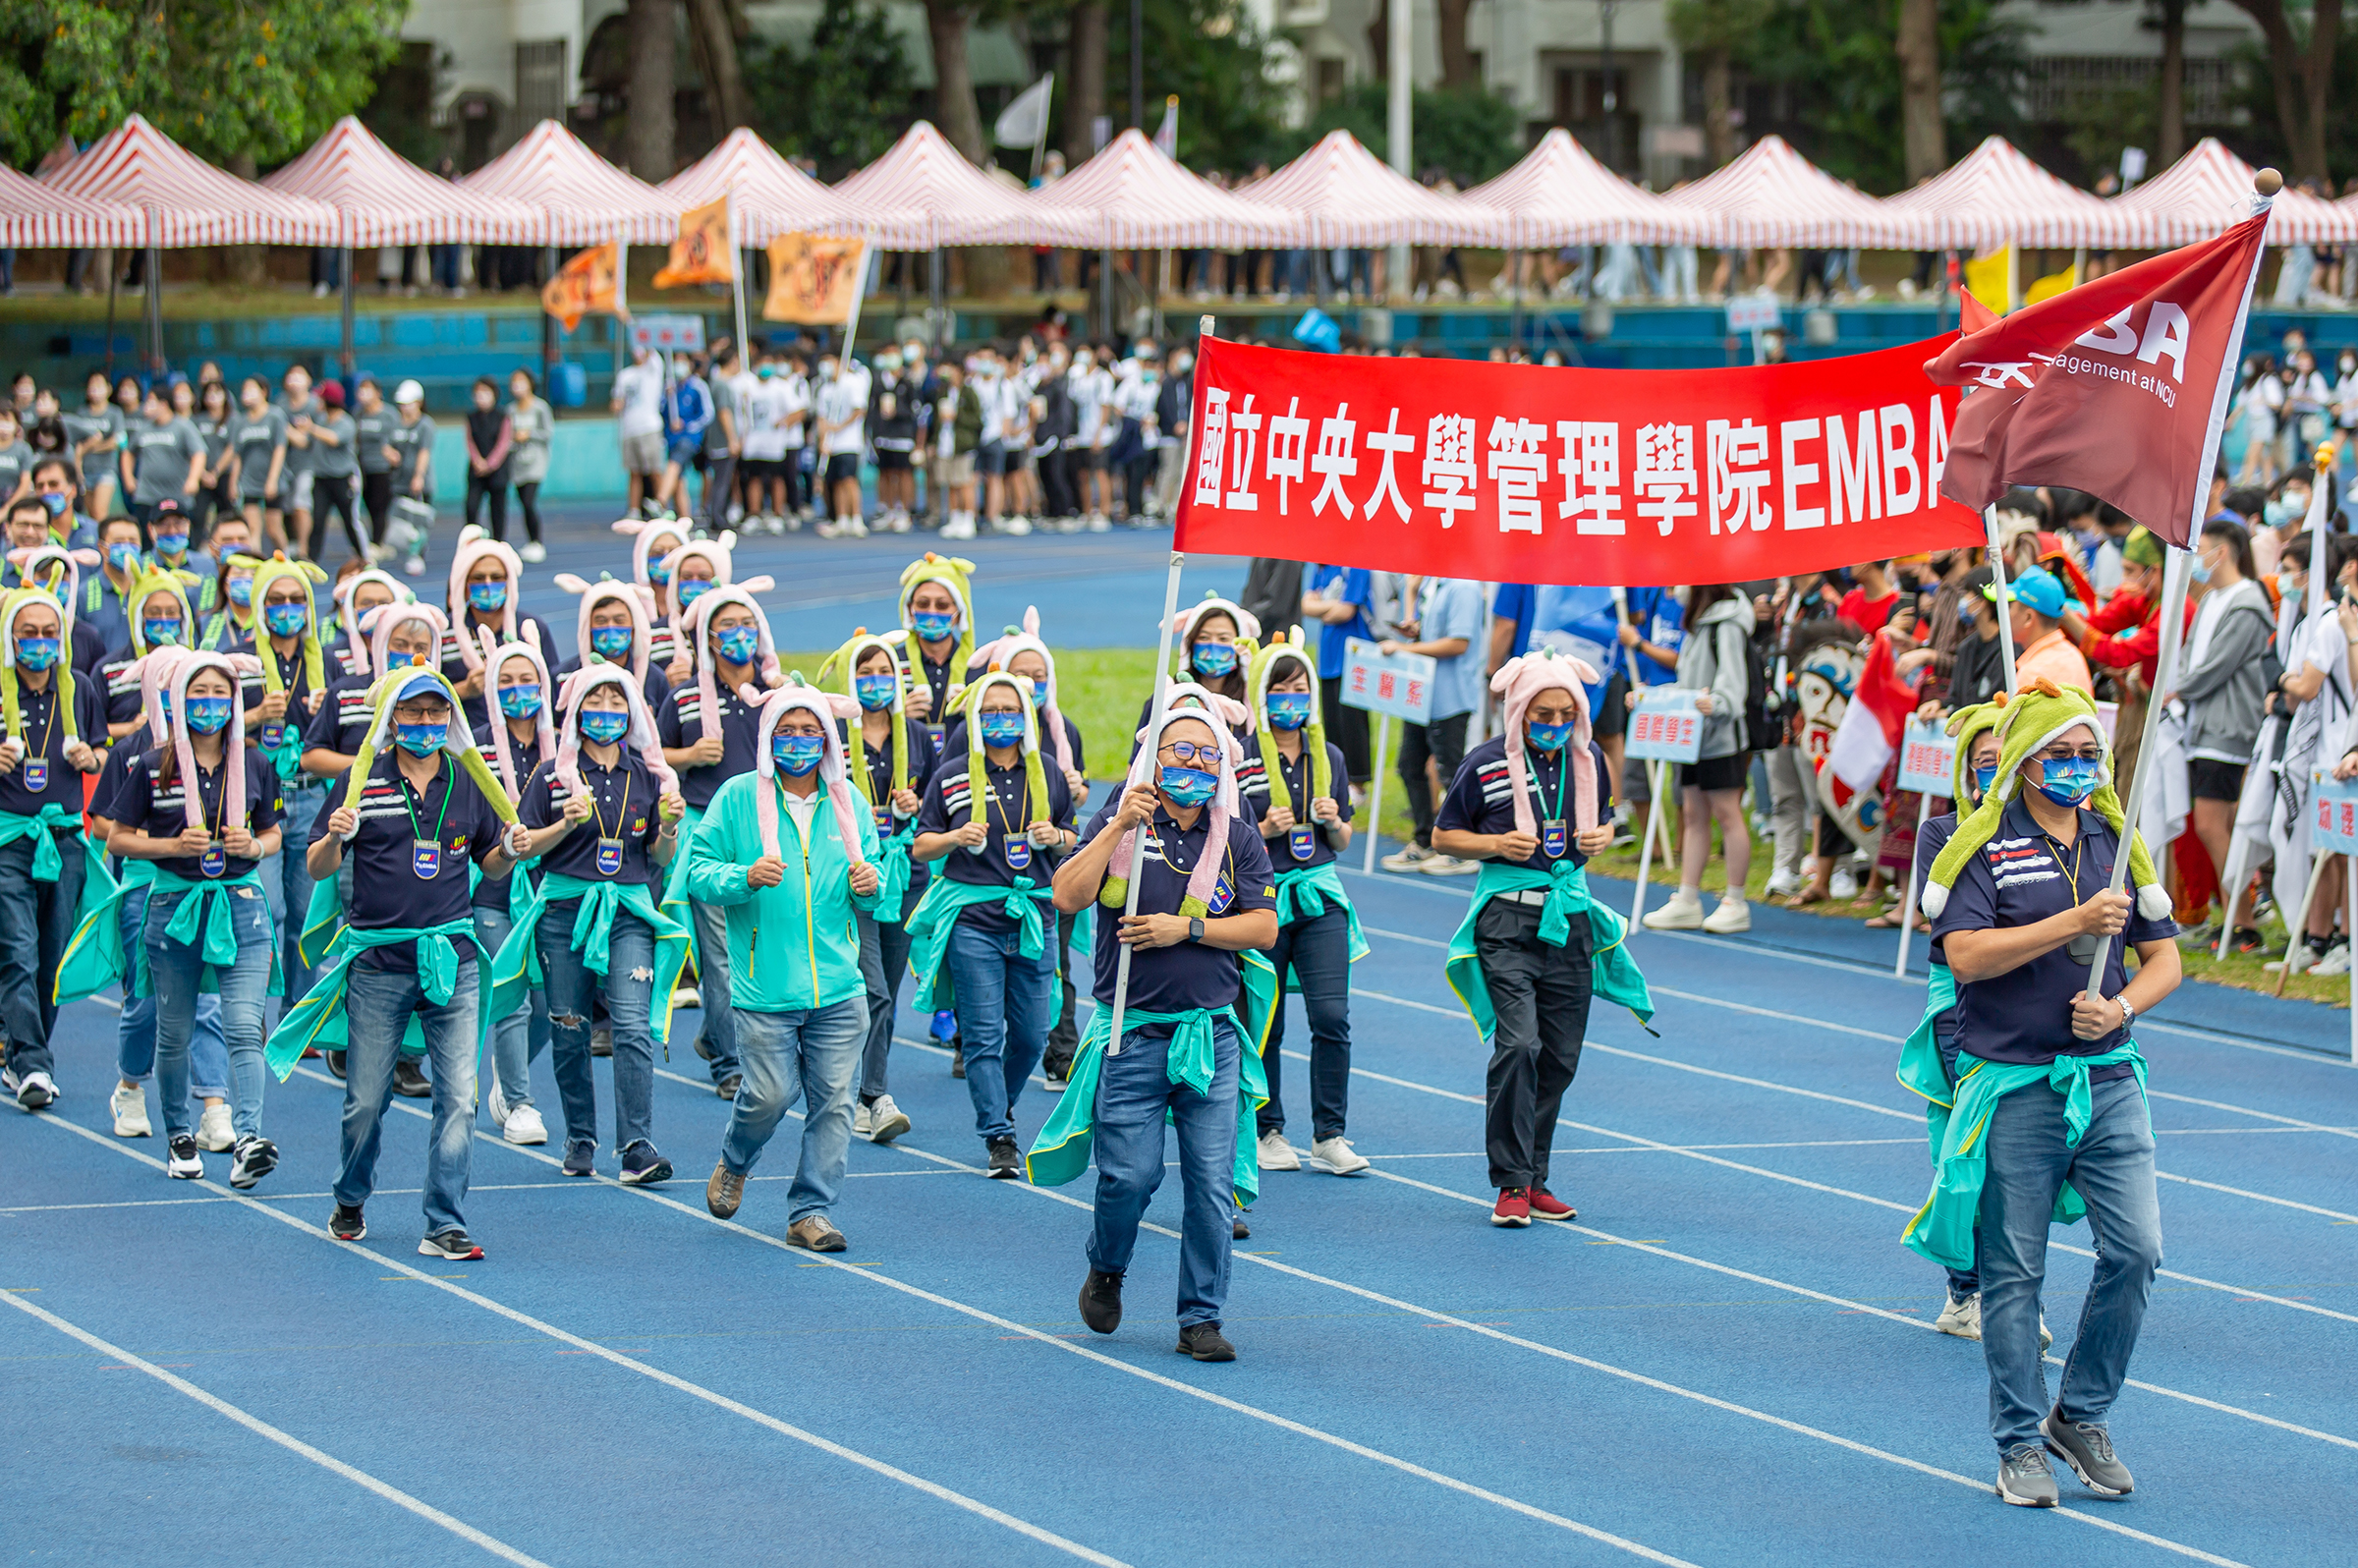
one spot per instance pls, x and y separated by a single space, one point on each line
622 805
385 888
921 763
1932 837
945 807
1297 783
680 723
45 738
1482 798
156 808
489 894
1186 975
2023 876
938 679
294 676
111 775
342 722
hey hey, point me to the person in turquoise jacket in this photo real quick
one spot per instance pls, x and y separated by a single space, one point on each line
791 882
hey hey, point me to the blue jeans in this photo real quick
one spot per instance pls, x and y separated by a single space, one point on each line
1134 1090
1961 1284
288 880
1320 951
717 1042
883 965
808 1056
175 969
629 985
2114 1170
517 1040
377 1005
135 1032
1002 1000
37 921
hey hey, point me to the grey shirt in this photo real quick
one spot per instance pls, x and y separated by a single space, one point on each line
371 432
80 425
2224 693
1712 659
412 445
302 458
16 460
532 430
256 437
724 401
336 461
161 455
216 441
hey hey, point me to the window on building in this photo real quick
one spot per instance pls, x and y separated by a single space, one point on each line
1330 78
542 81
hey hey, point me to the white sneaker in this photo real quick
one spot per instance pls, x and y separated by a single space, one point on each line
1099 523
415 566
130 1105
1337 1156
886 1121
33 1092
1844 887
777 524
1274 1153
1449 866
1016 527
1733 914
861 1124
1683 913
214 1135
1784 884
901 522
686 996
523 1125
2336 962
494 1101
1963 1318
1412 858
961 526
533 552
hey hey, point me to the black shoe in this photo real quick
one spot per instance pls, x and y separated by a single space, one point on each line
1006 1160
581 1157
602 1041
1101 1301
409 1080
347 1224
1240 1231
184 1165
256 1158
956 1061
2246 941
726 1088
1204 1342
335 1065
453 1244
642 1166
1057 1070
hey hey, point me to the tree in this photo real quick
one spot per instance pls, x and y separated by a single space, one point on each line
844 102
1457 60
1224 72
1084 78
955 111
651 132
2300 70
1919 48
2169 144
1471 134
253 78
713 27
1711 33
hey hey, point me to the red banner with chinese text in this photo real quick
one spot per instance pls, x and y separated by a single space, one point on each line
1532 473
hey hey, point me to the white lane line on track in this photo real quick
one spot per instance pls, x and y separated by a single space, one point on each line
1021 1527
1286 1424
287 1441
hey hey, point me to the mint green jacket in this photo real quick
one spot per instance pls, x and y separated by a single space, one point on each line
794 947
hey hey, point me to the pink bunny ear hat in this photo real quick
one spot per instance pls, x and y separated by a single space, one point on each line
1184 625
700 657
1001 653
344 591
1224 804
640 736
1517 682
474 546
236 666
155 671
834 773
28 561
628 594
378 623
1231 713
669 532
496 655
717 552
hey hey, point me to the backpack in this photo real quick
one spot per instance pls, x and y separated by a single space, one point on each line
1764 722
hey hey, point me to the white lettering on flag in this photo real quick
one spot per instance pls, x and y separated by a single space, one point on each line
1591 475
1211 446
1244 427
1666 475
1737 458
1334 461
1392 442
1288 435
1449 465
1791 434
1899 458
1853 476
1520 467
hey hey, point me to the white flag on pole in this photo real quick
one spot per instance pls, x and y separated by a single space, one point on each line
1025 122
1166 135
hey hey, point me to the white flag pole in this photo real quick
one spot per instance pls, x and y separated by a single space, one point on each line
2175 573
737 270
2005 611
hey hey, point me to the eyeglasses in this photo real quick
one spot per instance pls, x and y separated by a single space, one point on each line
1190 751
2065 753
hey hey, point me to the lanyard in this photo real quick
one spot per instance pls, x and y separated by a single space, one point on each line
1007 824
1563 780
416 829
2078 845
49 725
1162 847
598 811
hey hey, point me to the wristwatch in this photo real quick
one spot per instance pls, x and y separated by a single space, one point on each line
1194 928
2128 1013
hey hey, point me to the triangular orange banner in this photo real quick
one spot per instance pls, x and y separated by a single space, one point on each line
585 285
701 254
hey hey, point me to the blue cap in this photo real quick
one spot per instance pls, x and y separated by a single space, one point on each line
2035 588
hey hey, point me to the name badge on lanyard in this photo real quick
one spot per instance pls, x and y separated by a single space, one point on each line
1302 840
215 861
1019 852
425 857
1554 838
274 735
36 774
1223 891
609 857
883 822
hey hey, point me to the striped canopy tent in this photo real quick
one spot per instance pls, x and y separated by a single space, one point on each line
923 194
1338 193
583 199
1996 195
1559 194
185 200
772 195
384 198
1772 195
37 217
1139 197
2210 190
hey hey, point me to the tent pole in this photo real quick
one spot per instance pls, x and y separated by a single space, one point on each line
737 274
548 325
939 298
155 313
112 275
347 360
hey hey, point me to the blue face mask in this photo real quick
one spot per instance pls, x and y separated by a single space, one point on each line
1002 729
931 627
241 591
2280 511
519 702
2200 568
876 691
1984 777
285 620
55 503
208 715
658 574
797 755
1289 711
739 645
604 725
610 642
2070 783
38 653
1185 786
396 660
160 634
171 546
421 740
486 596
694 589
1213 658
121 556
1550 737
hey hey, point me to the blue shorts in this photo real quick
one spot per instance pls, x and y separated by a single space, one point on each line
686 451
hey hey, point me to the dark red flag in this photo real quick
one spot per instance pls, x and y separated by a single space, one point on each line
2119 387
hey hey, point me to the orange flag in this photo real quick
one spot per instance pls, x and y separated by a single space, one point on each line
587 283
814 280
701 254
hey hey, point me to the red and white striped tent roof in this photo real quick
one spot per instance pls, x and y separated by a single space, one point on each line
772 195
924 194
584 198
2210 190
386 199
37 217
1559 195
1137 196
1772 195
1995 195
183 199
1338 193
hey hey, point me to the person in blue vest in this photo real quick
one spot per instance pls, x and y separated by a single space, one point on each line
2048 1119
1197 991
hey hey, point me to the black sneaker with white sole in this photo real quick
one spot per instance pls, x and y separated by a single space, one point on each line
1006 1160
185 1165
454 1244
2088 1450
1101 1301
1204 1342
410 1080
581 1157
335 1065
2025 1479
642 1167
255 1159
33 1092
347 1224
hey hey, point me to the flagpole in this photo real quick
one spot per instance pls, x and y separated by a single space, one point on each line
2175 573
737 270
1998 580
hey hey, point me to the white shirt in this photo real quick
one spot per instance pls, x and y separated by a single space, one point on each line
765 409
1089 406
803 808
641 389
797 392
844 399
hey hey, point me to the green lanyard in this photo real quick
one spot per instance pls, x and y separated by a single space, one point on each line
416 829
1563 780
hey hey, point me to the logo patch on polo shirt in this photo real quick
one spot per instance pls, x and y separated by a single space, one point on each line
2020 862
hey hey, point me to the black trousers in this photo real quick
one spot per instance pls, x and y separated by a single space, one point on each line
1059 496
1443 742
377 494
1540 995
1064 1041
1318 952
528 497
491 487
1137 475
1346 727
331 495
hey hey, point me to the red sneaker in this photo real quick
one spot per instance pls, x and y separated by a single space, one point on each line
1544 1205
1514 1207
